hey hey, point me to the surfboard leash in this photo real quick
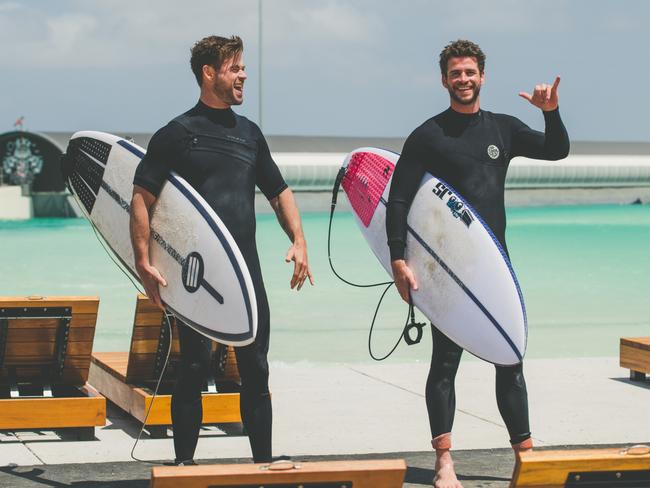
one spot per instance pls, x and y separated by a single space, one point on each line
169 350
408 326
155 392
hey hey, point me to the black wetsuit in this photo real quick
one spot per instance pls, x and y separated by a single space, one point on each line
223 156
470 152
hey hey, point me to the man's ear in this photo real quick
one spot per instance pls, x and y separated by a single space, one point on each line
444 81
209 72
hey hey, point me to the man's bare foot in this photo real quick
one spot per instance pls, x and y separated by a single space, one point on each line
524 446
445 472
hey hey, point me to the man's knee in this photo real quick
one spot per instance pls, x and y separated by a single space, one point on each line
510 376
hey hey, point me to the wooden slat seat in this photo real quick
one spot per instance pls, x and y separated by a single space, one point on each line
128 378
45 350
635 356
380 473
583 467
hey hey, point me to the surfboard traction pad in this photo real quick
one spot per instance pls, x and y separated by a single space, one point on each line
85 171
363 189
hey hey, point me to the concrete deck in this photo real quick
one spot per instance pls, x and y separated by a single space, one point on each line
373 409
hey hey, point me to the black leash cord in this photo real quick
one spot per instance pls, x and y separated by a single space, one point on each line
388 284
155 392
169 350
335 191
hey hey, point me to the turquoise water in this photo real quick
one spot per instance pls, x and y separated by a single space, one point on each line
584 272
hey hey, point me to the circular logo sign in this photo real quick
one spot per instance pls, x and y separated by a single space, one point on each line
493 151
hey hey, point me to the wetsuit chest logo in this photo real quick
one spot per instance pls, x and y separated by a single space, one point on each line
493 151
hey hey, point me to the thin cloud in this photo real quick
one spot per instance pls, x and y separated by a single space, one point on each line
116 33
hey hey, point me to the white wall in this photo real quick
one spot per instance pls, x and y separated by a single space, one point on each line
13 205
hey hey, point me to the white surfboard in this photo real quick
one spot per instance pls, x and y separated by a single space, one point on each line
208 283
467 287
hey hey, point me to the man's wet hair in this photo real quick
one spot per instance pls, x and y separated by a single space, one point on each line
213 51
460 49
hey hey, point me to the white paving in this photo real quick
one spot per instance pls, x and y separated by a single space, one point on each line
374 408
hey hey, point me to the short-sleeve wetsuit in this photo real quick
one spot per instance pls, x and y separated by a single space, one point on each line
224 156
470 152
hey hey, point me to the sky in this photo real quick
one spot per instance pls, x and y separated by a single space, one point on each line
363 68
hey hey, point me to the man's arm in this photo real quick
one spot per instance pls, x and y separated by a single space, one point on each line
405 183
288 215
553 144
139 228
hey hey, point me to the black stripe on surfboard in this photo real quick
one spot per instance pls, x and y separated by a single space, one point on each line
226 245
462 285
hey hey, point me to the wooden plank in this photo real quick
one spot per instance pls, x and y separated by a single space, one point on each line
635 359
79 304
638 342
33 324
78 320
44 350
77 334
116 391
140 368
145 334
147 347
549 469
73 377
217 408
52 413
382 473
146 305
150 346
148 319
114 363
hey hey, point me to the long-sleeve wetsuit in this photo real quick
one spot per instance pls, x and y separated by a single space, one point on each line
470 152
224 156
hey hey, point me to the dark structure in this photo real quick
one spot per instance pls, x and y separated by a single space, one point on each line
32 161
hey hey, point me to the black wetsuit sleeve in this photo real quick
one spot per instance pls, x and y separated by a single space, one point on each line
552 145
405 183
162 151
268 178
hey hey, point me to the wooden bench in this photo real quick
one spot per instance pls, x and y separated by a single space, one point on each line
583 467
45 348
635 356
128 379
383 473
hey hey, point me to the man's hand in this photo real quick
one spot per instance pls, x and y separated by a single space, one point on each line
151 279
544 97
298 254
404 278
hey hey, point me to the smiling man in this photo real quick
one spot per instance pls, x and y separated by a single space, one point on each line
470 149
224 156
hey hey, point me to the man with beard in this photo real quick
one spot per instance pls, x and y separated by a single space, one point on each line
470 149
224 156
